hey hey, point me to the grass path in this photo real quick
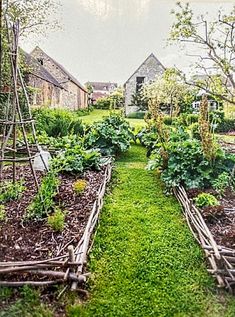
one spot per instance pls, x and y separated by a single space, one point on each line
145 261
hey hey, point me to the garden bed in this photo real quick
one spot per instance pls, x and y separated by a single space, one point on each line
214 229
32 250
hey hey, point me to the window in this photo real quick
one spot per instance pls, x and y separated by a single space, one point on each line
139 83
40 60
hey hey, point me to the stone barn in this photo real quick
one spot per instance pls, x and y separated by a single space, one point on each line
45 89
147 72
74 95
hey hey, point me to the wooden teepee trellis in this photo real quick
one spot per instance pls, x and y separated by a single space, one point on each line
14 121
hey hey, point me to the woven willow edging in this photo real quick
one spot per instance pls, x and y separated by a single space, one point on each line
221 259
67 268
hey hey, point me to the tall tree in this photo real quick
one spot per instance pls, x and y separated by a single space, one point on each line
170 91
215 41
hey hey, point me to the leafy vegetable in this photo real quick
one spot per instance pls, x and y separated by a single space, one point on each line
206 200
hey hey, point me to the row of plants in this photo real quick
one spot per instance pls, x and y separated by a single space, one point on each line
183 158
220 123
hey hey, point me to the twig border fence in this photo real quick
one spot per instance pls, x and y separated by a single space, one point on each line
220 259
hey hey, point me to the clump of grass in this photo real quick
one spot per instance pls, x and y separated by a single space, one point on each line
28 303
57 220
79 186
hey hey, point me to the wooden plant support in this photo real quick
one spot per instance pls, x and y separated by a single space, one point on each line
221 259
14 121
69 267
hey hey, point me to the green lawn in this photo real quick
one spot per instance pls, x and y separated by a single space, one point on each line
97 115
145 261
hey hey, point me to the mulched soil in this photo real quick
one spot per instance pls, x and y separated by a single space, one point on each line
35 240
220 219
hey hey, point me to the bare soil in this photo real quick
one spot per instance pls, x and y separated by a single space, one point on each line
34 240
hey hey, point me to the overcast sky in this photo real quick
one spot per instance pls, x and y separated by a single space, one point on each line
106 40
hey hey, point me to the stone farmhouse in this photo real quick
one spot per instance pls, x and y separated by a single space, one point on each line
62 90
102 89
147 72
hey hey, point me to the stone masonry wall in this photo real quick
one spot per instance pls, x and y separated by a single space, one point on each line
149 69
71 95
45 93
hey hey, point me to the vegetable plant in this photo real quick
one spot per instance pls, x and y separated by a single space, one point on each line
206 200
11 191
2 213
79 186
56 220
221 182
112 135
43 202
76 160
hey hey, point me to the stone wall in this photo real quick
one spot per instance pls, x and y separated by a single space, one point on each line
149 69
72 95
44 93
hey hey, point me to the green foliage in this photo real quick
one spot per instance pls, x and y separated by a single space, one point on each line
62 143
11 191
112 101
2 213
183 162
57 122
221 182
57 220
168 120
103 103
206 200
149 138
140 100
43 203
211 36
171 92
28 303
112 135
79 186
136 115
76 160
194 128
226 125
186 119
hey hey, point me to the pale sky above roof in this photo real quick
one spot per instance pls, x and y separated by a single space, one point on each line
106 40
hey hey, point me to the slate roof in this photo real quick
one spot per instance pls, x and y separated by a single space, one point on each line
105 86
36 69
66 73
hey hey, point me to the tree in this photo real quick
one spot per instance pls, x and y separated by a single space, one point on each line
215 41
117 98
170 91
35 17
140 100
